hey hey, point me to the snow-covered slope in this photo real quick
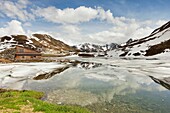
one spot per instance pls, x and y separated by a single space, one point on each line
87 47
15 75
50 45
158 42
40 42
7 42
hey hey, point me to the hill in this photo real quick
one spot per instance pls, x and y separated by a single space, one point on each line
39 42
158 42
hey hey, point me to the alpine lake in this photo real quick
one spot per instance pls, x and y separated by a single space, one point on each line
103 85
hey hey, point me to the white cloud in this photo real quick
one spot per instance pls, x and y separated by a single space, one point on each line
70 34
68 15
16 10
105 37
104 15
12 28
69 29
120 34
77 15
116 34
115 29
27 24
24 3
141 32
161 22
76 34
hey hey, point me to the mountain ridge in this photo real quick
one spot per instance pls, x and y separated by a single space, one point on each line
88 47
156 43
42 42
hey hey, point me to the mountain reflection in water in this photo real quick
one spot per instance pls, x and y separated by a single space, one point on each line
108 85
88 65
83 65
165 82
50 74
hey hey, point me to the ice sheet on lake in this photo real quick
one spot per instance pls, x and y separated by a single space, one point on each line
109 71
15 75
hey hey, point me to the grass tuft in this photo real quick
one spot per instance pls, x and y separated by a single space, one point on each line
15 101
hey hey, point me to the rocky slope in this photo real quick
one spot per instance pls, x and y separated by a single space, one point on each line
87 47
158 42
41 42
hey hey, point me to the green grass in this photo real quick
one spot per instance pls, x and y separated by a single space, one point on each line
14 100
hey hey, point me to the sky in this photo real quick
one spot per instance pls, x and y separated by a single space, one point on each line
84 21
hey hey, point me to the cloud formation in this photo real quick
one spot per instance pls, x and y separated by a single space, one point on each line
121 29
73 25
77 15
113 34
13 27
16 10
68 15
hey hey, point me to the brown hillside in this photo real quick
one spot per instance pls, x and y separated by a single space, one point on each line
159 48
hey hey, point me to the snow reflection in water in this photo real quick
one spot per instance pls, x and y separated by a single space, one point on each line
106 85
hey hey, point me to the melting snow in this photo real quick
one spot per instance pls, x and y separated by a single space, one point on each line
16 74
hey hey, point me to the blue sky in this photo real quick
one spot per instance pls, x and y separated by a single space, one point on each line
139 9
80 21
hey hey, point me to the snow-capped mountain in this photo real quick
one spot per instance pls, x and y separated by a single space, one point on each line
158 42
41 42
87 47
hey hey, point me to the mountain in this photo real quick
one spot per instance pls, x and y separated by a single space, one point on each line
157 43
40 42
87 47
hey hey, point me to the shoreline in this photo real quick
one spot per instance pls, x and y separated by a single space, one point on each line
31 101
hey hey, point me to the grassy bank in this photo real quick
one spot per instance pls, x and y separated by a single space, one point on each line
29 102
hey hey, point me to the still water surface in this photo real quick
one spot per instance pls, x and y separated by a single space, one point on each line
110 85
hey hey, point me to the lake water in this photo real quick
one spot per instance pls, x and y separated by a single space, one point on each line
109 85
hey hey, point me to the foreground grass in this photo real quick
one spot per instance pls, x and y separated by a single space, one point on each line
29 101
